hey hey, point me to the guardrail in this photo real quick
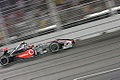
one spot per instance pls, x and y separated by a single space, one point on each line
81 32
30 26
87 18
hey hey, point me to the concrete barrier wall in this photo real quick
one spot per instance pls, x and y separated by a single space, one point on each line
83 31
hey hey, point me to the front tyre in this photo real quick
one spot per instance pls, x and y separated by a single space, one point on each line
54 47
4 60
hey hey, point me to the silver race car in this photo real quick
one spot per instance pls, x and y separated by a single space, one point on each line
56 45
25 50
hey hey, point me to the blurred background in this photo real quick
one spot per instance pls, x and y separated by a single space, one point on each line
25 19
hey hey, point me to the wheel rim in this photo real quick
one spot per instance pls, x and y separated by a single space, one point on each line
54 47
4 61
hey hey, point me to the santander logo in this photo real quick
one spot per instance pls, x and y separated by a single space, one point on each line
31 52
27 54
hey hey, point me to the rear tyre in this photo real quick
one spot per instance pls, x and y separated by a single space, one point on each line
54 47
4 60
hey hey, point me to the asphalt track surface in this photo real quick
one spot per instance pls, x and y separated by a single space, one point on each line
69 64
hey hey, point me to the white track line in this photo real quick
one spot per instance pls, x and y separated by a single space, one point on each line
96 74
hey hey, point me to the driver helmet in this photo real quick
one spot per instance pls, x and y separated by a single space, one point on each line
31 46
22 42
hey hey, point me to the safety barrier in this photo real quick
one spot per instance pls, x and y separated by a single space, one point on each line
81 32
35 18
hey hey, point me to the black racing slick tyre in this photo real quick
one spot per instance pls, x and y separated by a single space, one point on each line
4 60
54 47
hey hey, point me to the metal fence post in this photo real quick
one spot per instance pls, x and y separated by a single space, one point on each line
4 31
54 14
110 4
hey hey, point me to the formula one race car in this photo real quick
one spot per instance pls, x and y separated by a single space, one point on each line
25 50
22 51
56 45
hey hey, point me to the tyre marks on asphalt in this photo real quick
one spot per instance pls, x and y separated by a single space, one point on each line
68 64
66 55
59 55
81 66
